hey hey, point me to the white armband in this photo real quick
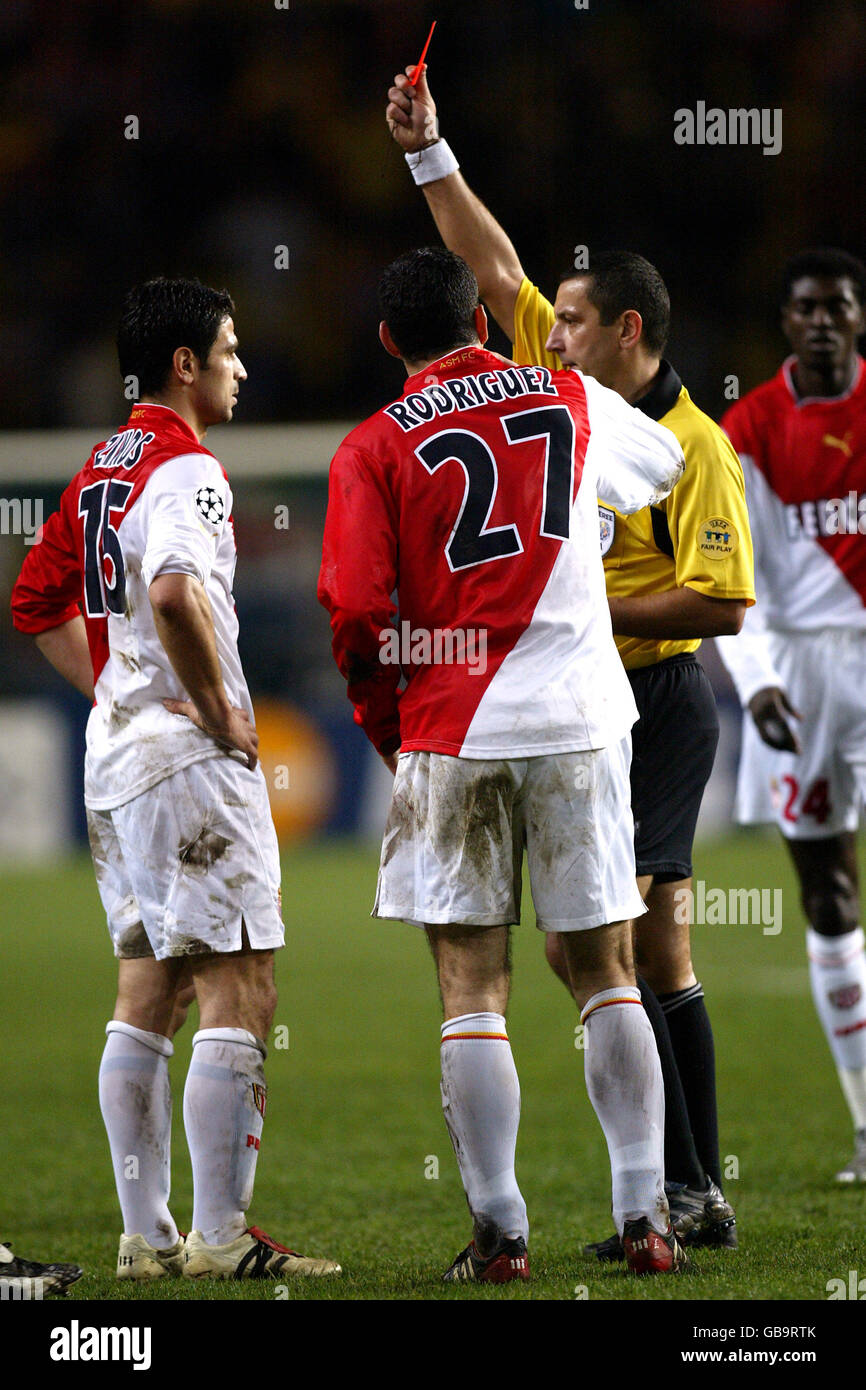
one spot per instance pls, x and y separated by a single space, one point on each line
435 162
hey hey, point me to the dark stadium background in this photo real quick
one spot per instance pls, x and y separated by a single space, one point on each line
262 126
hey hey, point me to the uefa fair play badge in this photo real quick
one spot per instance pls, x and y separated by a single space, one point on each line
717 538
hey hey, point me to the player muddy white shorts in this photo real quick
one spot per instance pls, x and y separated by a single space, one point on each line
819 792
457 827
182 867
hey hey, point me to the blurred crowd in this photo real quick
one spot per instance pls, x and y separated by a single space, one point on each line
259 125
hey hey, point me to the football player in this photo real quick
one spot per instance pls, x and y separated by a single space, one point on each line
128 594
675 573
474 497
800 663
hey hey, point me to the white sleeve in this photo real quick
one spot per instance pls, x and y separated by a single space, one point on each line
636 460
188 504
747 656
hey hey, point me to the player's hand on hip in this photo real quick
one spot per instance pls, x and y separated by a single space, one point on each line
411 113
233 732
772 712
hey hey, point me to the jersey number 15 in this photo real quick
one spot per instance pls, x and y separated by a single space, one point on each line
104 574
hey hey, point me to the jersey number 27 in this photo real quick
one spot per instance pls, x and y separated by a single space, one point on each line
472 542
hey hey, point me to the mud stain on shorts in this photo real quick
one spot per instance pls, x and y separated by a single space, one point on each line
203 852
133 943
404 819
476 821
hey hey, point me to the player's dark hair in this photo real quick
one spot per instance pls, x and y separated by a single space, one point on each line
428 300
162 315
621 280
826 263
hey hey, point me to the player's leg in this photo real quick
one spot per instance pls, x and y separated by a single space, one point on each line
827 872
224 1107
624 1083
225 1093
682 1164
206 872
135 1099
481 1096
815 798
134 1085
451 857
589 897
184 996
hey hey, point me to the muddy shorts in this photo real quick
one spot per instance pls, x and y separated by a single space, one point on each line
457 829
186 865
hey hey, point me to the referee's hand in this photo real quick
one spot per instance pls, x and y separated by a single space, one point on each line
411 113
772 712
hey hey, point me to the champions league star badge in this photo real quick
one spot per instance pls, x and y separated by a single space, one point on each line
209 505
606 521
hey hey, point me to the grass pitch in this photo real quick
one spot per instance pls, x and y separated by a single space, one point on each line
356 1162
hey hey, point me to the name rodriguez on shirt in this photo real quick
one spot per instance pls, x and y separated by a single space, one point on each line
467 393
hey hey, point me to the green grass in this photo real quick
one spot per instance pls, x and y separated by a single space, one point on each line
353 1111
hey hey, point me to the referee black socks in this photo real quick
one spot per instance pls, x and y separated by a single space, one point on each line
691 1036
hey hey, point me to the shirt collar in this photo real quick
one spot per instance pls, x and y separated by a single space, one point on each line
787 371
663 394
145 412
459 358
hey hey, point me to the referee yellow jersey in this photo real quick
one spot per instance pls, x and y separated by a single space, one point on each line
699 535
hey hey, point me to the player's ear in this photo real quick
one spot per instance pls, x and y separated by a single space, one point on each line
184 363
387 341
481 327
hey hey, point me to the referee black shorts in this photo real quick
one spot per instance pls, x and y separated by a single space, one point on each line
673 748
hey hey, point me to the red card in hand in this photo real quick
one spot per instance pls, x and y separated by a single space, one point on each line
420 64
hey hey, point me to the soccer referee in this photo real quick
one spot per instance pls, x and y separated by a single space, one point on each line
675 573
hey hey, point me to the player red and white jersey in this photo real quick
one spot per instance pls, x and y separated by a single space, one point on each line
475 496
804 463
150 500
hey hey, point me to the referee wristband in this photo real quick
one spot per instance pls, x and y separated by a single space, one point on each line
436 162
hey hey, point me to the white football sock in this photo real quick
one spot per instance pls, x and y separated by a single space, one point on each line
223 1114
481 1104
837 970
624 1082
135 1099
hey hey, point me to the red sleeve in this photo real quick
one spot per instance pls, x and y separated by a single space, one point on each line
356 581
735 422
48 589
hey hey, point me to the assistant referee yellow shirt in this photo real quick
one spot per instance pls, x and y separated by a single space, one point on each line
699 535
